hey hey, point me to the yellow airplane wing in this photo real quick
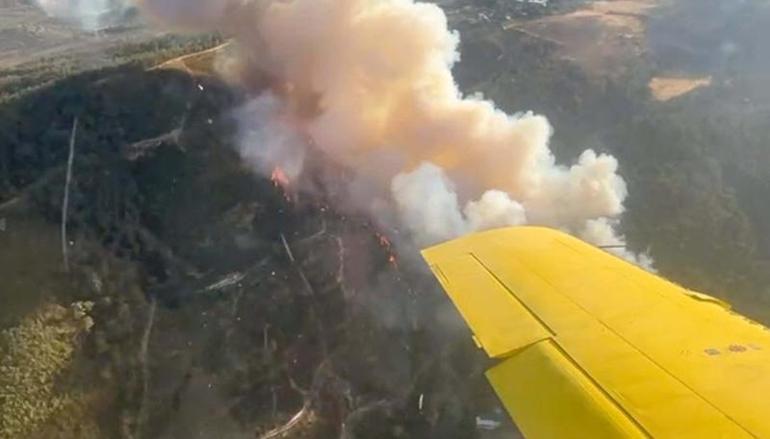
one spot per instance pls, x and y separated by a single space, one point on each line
591 346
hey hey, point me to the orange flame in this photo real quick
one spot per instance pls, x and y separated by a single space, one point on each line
279 178
388 246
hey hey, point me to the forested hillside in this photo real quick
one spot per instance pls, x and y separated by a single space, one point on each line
203 299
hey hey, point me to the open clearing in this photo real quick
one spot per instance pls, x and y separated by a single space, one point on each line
198 63
601 37
667 88
28 35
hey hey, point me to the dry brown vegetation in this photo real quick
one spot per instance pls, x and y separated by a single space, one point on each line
197 63
667 88
600 37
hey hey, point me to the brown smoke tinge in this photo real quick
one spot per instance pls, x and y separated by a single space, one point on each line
369 82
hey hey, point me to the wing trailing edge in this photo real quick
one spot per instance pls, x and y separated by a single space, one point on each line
592 346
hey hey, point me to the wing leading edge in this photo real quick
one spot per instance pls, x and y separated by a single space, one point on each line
592 346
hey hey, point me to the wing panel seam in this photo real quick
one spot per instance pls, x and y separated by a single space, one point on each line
627 342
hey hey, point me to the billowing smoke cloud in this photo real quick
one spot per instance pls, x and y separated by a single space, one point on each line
364 79
430 209
89 14
267 139
428 204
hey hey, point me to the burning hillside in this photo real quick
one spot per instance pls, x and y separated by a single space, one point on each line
249 244
226 304
389 109
242 224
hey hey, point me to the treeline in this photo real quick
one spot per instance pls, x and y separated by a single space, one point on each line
20 80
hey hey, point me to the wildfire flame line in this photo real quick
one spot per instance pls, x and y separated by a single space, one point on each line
388 247
281 180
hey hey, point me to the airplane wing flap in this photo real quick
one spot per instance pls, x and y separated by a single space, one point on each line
500 323
549 396
579 332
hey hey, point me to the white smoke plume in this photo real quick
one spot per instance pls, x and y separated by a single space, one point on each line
430 209
267 139
363 79
89 14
